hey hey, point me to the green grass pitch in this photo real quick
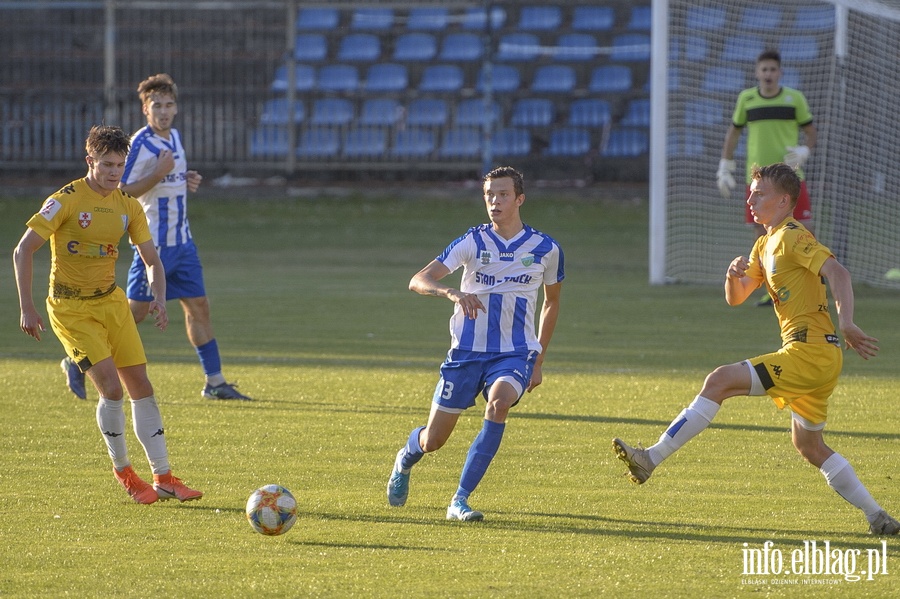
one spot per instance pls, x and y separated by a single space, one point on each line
314 319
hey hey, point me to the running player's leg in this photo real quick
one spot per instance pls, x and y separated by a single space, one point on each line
839 474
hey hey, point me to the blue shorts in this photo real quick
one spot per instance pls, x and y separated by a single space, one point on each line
184 274
465 374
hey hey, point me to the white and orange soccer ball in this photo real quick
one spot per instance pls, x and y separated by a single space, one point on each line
271 510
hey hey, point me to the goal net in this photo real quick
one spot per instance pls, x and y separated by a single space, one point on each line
842 54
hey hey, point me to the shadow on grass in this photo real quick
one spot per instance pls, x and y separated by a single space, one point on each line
665 423
602 526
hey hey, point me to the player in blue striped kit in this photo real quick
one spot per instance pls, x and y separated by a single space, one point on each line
156 174
494 349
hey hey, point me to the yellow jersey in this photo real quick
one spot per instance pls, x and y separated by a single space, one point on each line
84 229
788 261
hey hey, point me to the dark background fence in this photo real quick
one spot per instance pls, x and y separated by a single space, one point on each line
312 88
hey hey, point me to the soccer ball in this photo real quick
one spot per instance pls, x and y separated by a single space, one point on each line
271 510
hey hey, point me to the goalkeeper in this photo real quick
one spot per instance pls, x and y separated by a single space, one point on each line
773 116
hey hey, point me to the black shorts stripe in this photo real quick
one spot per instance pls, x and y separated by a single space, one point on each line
764 376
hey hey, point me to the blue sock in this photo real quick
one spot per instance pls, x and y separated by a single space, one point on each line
412 452
482 451
209 357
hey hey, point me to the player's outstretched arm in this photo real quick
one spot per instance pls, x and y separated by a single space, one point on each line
427 282
842 292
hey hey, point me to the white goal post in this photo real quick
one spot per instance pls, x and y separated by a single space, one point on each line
843 55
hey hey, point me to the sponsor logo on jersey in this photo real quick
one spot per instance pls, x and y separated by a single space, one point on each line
485 257
527 259
50 208
84 219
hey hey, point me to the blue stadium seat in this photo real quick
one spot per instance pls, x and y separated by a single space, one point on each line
511 142
814 18
381 112
427 112
518 47
504 78
743 48
332 111
553 78
593 18
796 48
589 112
441 78
304 78
576 46
269 142
540 18
626 143
365 142
640 19
692 48
386 77
318 143
337 77
357 47
276 112
461 47
685 143
762 18
372 19
725 79
428 19
472 113
412 143
637 113
631 47
569 141
412 47
610 79
461 143
310 47
674 79
532 112
790 77
315 19
706 18
476 18
705 113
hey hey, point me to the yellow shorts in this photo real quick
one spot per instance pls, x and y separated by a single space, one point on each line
801 376
92 330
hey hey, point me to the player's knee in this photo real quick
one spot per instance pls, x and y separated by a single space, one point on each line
431 442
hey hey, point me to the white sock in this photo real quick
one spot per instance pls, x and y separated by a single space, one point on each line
148 427
842 478
111 420
685 427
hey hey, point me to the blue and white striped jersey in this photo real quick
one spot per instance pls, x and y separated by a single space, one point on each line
506 276
166 203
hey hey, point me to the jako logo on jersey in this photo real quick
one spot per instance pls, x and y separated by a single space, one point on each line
485 257
507 256
84 219
527 259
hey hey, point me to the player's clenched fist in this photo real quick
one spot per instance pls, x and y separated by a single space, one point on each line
738 267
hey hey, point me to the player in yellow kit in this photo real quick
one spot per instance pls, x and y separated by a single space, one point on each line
89 313
801 375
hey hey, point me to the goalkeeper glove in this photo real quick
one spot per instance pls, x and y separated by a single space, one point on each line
725 177
796 156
